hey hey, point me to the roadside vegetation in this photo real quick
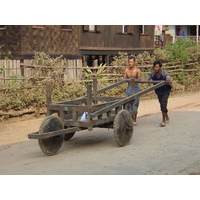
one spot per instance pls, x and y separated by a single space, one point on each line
181 59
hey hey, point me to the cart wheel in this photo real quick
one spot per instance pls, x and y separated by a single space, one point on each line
123 127
68 136
50 146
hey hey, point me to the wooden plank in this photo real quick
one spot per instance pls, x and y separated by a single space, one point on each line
71 70
104 74
69 107
95 89
74 70
95 86
74 116
6 70
89 103
76 108
145 81
9 65
111 86
183 70
101 98
48 96
25 69
1 74
61 113
109 79
127 100
13 78
93 123
36 135
18 71
30 69
89 96
80 64
72 64
14 67
69 66
65 72
77 101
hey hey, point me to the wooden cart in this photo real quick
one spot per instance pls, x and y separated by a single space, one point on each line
54 129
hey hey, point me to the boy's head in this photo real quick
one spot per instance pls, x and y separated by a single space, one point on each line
157 65
131 61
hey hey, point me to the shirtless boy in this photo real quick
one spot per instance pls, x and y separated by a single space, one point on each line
132 72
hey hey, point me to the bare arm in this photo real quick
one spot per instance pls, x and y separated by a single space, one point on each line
125 73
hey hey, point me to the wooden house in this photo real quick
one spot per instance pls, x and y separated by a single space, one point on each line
89 42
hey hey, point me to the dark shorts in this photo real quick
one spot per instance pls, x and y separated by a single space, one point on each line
163 99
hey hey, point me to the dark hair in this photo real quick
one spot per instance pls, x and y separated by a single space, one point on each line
157 62
131 57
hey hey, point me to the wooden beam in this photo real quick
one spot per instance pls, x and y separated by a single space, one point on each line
107 99
111 86
115 48
48 96
36 135
93 123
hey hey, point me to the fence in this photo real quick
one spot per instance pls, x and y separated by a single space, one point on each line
16 70
187 38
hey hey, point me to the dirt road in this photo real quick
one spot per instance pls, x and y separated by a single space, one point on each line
174 149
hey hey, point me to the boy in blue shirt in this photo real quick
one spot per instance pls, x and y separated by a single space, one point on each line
163 92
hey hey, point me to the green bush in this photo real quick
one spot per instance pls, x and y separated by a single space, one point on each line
194 52
178 51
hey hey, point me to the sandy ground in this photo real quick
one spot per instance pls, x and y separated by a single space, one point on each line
12 132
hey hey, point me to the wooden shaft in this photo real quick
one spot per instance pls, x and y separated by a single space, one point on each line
111 86
48 93
89 95
48 89
95 85
95 89
128 99
89 103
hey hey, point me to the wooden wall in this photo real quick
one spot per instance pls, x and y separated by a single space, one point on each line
50 39
3 42
24 40
10 39
111 36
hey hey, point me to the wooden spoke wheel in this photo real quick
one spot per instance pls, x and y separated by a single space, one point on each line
123 128
50 146
68 136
